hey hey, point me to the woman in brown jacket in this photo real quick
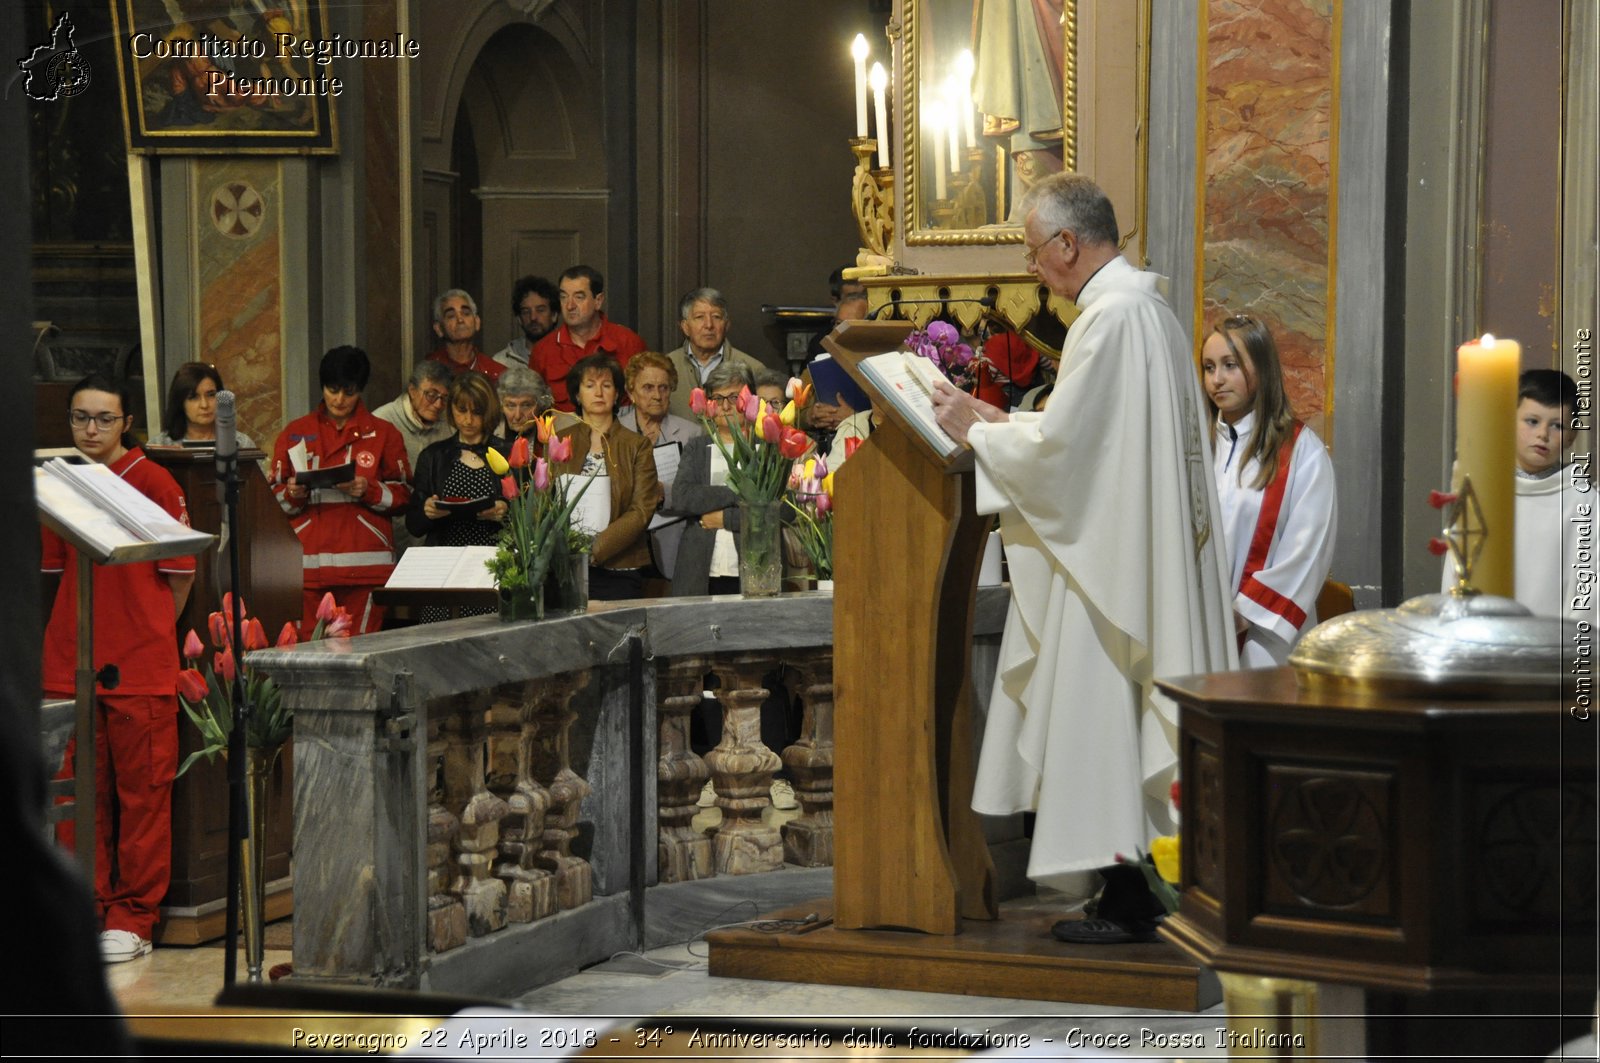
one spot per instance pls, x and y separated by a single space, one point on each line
623 467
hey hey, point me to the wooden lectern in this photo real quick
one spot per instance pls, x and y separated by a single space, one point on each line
270 570
906 573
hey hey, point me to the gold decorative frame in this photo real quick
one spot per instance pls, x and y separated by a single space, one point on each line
910 130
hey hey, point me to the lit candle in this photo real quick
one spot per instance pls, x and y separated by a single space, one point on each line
1486 441
965 65
858 52
880 81
933 118
948 113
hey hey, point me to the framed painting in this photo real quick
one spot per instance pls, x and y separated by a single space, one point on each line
203 76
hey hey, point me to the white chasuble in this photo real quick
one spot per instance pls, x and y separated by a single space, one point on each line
1118 575
1289 552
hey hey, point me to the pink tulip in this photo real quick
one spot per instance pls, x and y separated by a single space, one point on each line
192 686
192 649
222 664
326 607
255 636
288 636
697 402
560 450
821 471
796 476
508 487
824 503
519 454
541 475
749 405
339 627
771 428
221 633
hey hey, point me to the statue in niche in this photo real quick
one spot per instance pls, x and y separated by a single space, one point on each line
1017 84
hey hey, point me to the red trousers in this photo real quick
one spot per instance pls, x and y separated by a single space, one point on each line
136 756
365 616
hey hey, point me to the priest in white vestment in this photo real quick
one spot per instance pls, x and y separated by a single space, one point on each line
1119 574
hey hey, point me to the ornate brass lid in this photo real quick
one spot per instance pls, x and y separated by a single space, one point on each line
1441 644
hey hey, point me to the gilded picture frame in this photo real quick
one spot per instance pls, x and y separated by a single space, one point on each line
207 76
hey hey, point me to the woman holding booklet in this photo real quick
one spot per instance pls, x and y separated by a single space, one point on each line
455 495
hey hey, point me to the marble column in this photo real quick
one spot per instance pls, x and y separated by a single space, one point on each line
742 769
684 854
447 919
466 731
531 890
808 839
553 716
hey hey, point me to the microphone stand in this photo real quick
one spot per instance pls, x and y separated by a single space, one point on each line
238 817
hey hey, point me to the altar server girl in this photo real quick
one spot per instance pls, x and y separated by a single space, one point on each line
1275 484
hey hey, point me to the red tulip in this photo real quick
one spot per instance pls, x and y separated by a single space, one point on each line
288 636
559 451
793 443
227 608
508 487
339 627
697 402
221 635
519 453
192 649
192 686
222 664
1174 790
852 445
255 636
547 427
541 475
326 607
771 429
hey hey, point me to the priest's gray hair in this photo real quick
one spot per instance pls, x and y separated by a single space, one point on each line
730 373
1075 204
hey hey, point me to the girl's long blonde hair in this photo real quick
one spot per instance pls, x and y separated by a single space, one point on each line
1253 345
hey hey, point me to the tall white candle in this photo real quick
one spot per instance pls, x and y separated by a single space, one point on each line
880 81
858 52
934 119
948 113
1487 370
965 65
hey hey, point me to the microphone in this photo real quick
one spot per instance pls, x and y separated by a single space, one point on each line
227 436
987 302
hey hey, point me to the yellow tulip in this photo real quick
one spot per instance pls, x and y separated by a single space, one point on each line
827 484
497 462
787 416
1164 851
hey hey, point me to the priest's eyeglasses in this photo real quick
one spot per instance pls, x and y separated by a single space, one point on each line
1032 252
104 421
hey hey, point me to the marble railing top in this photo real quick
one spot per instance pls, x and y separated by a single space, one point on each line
469 654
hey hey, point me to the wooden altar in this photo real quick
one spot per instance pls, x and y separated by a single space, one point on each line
270 572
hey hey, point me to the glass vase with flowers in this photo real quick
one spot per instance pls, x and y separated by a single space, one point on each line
537 523
810 498
757 442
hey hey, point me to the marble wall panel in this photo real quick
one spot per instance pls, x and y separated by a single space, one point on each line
1268 151
237 233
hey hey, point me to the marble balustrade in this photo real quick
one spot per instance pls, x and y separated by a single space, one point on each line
459 781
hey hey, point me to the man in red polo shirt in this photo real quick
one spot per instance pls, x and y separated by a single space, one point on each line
456 322
583 331
136 610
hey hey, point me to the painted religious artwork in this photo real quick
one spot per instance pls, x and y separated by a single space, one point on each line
217 76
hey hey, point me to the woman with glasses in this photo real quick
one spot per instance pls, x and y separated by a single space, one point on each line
344 527
1275 485
456 497
192 408
136 607
623 469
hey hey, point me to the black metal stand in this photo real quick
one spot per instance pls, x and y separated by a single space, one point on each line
238 819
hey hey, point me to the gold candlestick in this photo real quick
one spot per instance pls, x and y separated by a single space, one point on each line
871 197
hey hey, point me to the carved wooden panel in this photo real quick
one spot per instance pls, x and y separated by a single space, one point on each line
1531 848
1326 837
1206 817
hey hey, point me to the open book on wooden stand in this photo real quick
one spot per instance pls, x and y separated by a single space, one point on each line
908 542
108 522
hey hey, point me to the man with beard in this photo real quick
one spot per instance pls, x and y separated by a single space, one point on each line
536 303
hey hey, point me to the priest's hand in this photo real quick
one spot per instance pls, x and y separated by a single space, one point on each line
956 411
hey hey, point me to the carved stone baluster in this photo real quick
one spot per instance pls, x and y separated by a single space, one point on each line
808 839
466 734
447 920
684 854
742 769
531 891
553 715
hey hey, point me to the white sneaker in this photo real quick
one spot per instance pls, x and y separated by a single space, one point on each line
120 946
783 797
708 795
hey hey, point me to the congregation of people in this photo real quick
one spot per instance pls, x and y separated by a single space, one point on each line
1216 570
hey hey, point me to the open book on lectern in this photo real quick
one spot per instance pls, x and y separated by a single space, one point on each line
108 519
906 381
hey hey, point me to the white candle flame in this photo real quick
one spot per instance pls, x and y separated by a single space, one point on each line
1487 341
858 47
